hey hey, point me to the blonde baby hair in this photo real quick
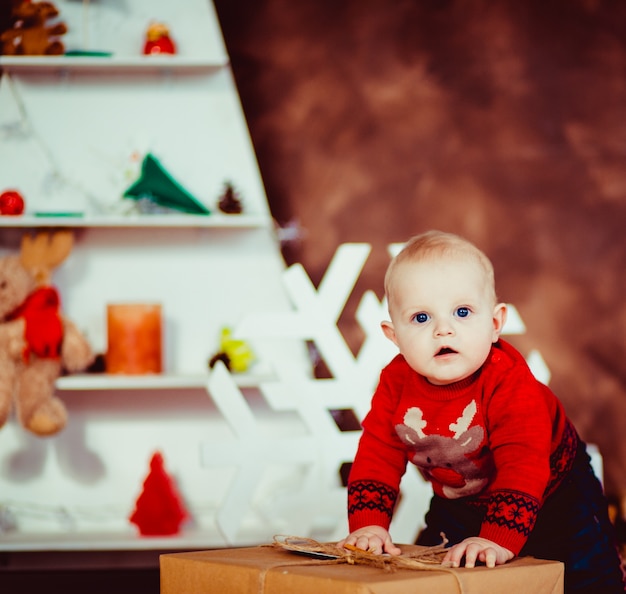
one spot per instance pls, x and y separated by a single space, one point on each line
439 244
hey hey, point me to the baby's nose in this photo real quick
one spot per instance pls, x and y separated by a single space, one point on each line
443 328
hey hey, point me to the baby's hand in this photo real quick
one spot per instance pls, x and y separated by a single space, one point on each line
476 548
374 539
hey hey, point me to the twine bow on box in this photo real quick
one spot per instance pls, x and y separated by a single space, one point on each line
426 559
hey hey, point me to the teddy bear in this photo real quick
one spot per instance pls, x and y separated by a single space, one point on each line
28 34
37 343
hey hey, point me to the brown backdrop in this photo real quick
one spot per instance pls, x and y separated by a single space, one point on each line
503 121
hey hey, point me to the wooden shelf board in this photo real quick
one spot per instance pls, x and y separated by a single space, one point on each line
129 64
104 381
216 220
107 541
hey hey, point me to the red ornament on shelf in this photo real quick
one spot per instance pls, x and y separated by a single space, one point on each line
159 510
158 40
11 203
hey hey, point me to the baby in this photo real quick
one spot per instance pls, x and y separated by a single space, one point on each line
510 475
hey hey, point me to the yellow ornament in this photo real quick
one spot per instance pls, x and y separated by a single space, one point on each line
235 353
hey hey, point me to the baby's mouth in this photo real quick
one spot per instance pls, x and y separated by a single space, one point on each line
445 351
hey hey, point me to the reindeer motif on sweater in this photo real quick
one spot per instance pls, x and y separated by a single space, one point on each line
457 465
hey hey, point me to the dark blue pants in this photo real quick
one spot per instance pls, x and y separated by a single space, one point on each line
573 526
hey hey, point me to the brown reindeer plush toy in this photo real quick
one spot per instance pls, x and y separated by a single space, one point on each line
29 31
36 342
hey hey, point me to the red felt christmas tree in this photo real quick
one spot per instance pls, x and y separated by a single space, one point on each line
159 510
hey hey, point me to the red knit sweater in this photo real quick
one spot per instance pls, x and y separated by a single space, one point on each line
499 439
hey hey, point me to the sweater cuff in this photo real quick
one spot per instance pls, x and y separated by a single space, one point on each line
504 537
510 519
370 503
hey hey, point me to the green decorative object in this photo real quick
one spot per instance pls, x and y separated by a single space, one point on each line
158 186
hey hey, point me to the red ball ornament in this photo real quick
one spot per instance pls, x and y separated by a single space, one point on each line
11 203
158 40
163 45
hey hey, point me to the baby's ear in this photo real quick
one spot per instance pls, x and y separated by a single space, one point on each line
389 331
499 319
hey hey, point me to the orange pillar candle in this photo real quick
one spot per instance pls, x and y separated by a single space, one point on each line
134 338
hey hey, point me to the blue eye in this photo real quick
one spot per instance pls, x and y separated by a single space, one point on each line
421 318
463 312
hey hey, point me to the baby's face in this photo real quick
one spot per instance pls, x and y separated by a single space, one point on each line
443 317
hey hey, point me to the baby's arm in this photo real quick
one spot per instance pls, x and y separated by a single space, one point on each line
476 548
374 539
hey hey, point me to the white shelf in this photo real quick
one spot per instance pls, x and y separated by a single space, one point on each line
129 64
108 541
105 381
235 221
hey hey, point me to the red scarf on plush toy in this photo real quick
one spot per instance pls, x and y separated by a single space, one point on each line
44 328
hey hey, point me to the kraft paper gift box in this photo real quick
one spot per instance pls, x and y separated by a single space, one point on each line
267 570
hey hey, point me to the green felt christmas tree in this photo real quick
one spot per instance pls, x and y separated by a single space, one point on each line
157 185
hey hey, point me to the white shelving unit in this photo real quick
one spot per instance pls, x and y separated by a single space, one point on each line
72 131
